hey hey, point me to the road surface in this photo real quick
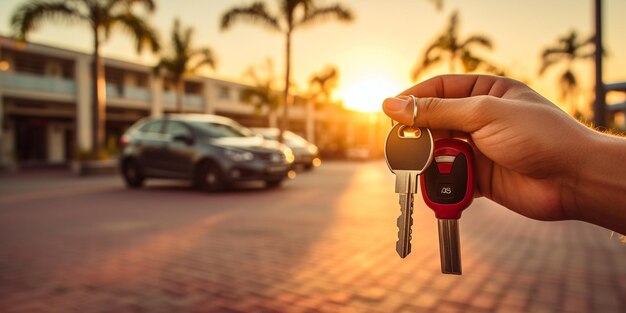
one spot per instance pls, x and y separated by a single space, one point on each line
322 243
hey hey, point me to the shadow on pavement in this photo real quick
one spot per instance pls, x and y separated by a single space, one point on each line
102 248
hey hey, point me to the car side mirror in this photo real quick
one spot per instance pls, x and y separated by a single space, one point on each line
188 140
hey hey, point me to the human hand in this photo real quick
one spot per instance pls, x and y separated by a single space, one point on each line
530 155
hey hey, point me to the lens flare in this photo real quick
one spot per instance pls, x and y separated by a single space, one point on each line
291 174
317 162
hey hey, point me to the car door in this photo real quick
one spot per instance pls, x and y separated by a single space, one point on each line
152 144
180 152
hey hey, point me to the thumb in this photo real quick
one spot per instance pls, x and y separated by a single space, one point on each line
460 114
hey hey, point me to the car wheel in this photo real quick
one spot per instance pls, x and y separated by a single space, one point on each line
133 174
210 177
274 183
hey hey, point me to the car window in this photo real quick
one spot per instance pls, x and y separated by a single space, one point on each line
295 139
218 130
152 127
174 129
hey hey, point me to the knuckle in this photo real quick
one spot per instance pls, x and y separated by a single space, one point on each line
480 104
481 109
427 107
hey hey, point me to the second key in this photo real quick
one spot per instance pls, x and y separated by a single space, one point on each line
448 188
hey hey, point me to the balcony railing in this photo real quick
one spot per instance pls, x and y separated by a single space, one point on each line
32 82
128 93
190 100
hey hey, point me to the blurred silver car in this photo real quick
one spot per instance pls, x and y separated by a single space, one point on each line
212 151
305 153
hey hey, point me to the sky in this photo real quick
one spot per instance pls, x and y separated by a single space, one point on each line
377 51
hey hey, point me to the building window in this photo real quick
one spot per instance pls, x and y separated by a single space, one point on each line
224 93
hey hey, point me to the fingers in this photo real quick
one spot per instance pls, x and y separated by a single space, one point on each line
453 102
461 86
460 114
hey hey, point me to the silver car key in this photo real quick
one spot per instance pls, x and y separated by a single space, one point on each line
408 151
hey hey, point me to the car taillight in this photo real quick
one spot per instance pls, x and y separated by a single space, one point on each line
124 140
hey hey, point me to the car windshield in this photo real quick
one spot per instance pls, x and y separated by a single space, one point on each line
218 130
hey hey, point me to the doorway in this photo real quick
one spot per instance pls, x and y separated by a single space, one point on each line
31 144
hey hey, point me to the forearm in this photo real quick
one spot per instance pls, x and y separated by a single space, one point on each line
599 189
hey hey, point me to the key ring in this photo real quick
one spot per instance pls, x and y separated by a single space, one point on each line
414 109
393 123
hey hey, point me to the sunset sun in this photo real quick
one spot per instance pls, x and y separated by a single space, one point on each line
367 93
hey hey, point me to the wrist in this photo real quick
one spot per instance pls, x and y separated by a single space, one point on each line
595 190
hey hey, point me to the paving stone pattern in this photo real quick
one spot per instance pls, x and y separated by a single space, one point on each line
322 243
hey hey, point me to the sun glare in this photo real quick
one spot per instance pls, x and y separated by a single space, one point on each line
367 93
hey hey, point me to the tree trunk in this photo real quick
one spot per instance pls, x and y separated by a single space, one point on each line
180 92
99 98
599 105
310 121
285 121
452 65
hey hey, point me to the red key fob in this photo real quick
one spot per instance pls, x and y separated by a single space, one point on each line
448 183
448 188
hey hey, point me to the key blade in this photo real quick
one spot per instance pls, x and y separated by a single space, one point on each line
449 246
406 182
405 221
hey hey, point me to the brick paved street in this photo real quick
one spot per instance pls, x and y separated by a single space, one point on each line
322 243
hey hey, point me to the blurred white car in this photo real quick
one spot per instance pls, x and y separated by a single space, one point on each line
305 153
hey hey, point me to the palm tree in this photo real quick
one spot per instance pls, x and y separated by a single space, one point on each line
101 17
438 4
449 47
263 94
182 60
569 49
322 85
293 15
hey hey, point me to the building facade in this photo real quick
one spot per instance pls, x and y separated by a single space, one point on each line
46 96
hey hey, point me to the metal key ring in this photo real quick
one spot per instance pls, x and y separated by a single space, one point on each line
393 123
414 109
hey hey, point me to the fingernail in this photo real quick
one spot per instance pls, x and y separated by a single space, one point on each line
396 103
